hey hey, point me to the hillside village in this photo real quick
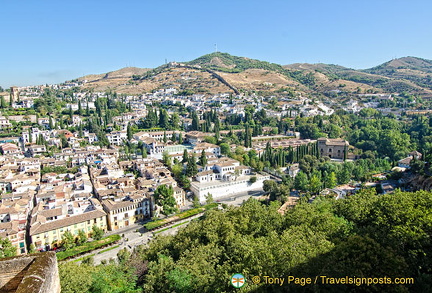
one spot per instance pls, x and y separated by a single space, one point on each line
83 184
100 159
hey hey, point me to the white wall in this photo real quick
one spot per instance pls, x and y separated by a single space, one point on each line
222 189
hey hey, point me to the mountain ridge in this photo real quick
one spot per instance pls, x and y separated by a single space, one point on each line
211 71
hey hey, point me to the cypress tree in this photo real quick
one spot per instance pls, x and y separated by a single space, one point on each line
185 156
203 159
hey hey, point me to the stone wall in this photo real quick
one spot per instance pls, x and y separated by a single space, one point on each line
35 273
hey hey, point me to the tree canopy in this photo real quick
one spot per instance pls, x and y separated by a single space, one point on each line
364 235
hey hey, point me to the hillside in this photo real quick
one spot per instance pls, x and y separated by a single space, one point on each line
416 70
221 72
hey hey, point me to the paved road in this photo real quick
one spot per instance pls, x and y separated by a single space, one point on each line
135 235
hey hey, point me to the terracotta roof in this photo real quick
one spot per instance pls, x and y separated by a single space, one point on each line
38 228
112 205
204 173
51 213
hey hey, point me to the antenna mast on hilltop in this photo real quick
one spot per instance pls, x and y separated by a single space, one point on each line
216 48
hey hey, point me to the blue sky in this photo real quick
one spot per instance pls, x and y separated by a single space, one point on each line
50 41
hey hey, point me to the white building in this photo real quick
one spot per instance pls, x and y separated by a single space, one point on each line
225 177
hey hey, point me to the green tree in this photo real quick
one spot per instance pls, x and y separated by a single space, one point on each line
3 103
75 278
195 121
111 279
177 170
209 198
270 186
163 119
89 260
330 181
344 175
80 110
166 159
185 156
225 149
191 168
174 121
203 159
144 151
32 249
129 132
123 256
196 203
301 181
315 184
210 139
68 240
97 233
180 280
82 237
164 197
7 249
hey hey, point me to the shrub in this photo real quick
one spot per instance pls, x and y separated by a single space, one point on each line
86 247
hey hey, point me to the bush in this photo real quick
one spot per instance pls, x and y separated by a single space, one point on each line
183 215
86 247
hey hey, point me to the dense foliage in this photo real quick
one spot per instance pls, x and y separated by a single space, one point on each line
365 235
110 278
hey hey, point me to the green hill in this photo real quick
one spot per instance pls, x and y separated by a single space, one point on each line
228 63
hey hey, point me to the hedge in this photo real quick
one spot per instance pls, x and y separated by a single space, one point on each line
190 213
183 215
88 246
